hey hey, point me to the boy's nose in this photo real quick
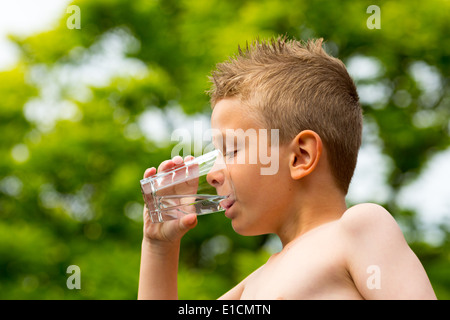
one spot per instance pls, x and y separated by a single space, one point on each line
215 178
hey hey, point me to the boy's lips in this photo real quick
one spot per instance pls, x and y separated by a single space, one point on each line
227 203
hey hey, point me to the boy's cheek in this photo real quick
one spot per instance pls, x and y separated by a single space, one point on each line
243 172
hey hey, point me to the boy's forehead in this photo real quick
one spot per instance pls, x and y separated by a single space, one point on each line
229 113
224 110
230 122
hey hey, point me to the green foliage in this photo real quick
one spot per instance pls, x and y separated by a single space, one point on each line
69 191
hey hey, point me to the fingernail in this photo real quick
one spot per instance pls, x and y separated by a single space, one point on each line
177 159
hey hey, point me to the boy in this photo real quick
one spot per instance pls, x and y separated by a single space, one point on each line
329 251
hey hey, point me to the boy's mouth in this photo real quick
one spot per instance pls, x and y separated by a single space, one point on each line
227 203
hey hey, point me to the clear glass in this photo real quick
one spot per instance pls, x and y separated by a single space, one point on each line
188 188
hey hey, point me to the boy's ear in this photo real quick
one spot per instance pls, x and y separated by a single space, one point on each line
306 150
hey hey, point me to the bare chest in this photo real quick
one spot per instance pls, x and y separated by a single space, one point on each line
305 271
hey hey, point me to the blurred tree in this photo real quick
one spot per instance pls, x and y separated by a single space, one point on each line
73 146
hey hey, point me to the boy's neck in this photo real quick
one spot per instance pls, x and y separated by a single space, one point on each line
313 212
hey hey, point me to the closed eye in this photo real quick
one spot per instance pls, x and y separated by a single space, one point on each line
231 154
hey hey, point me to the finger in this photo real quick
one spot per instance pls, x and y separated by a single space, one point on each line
181 172
165 165
187 222
149 172
146 187
193 175
177 160
192 172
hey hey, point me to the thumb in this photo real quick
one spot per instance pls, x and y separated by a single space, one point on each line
187 222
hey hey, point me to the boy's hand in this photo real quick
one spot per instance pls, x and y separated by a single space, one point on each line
169 232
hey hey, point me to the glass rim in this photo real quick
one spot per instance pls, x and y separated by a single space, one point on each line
201 159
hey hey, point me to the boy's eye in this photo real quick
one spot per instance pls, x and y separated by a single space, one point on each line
231 154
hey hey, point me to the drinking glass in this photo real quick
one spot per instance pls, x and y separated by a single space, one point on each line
189 188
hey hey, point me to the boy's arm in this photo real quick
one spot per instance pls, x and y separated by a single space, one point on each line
161 248
158 272
379 260
159 261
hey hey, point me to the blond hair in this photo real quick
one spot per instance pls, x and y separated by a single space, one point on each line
293 86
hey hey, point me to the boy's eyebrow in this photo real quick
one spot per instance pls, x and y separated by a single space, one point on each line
223 141
216 137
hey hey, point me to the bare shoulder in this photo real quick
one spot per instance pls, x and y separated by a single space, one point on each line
374 241
369 226
366 213
370 219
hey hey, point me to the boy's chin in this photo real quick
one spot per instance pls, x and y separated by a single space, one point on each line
246 228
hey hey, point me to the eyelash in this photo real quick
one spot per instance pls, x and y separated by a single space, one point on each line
231 154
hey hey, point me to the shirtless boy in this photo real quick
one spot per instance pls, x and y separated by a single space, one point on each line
329 251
